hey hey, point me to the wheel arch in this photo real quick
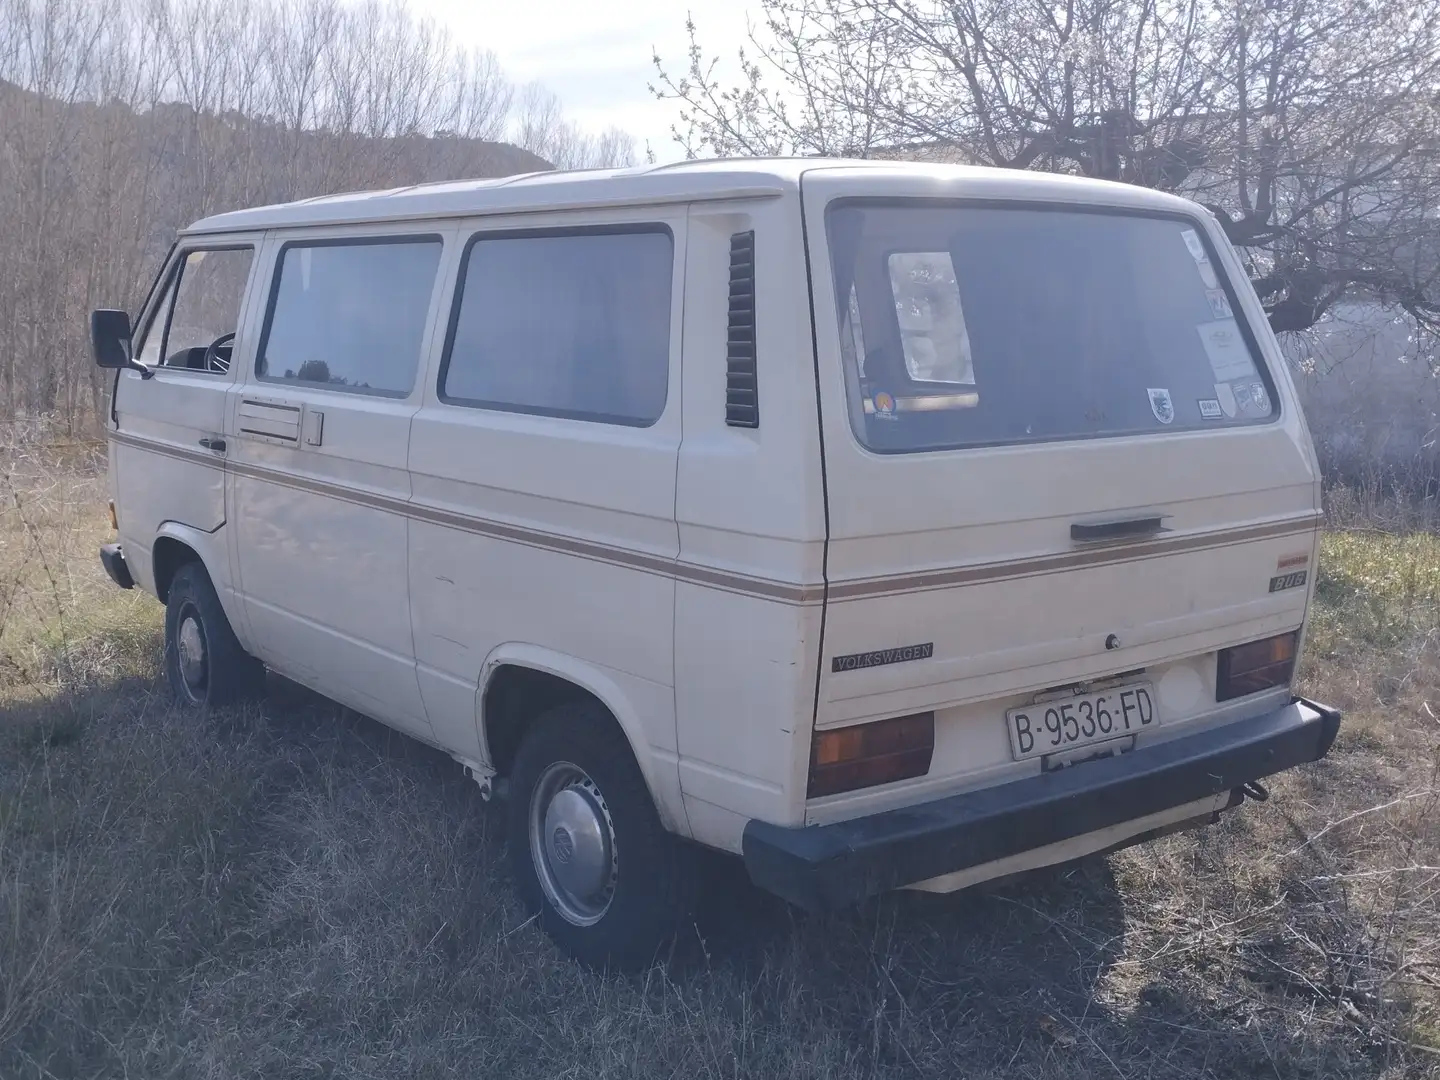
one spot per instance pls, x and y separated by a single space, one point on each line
177 544
520 682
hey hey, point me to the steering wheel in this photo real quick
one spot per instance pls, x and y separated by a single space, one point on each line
217 354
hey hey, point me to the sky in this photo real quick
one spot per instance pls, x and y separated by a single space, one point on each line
596 55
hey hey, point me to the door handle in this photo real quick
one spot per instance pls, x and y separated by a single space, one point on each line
314 424
218 445
1128 529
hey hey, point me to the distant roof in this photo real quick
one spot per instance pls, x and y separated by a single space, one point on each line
687 181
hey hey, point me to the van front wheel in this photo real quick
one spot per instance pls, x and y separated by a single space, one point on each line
587 848
204 661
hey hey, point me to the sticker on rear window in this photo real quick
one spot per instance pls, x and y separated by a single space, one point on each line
1226 397
1161 405
1219 303
1229 358
1210 409
1194 243
884 406
1207 274
1251 397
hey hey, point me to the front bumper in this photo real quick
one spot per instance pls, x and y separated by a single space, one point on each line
113 559
829 866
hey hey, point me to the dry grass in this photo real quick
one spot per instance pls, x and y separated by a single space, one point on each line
292 891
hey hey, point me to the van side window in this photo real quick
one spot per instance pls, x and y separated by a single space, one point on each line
195 323
572 324
350 315
932 324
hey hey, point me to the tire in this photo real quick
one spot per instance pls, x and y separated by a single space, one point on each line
221 672
626 908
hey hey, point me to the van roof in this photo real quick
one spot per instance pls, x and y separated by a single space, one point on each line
687 181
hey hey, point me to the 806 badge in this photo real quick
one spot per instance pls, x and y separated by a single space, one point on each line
1288 581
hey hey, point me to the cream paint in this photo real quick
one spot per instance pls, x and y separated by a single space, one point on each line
156 487
473 594
324 580
1181 688
677 571
639 706
1053 854
161 478
998 642
748 500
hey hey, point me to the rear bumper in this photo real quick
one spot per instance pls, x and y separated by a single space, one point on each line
829 866
113 559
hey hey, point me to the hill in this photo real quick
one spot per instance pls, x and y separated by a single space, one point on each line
91 196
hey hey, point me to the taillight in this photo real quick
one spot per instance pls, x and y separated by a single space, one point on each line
114 521
1260 665
864 755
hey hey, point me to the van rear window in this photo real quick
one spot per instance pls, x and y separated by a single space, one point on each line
983 325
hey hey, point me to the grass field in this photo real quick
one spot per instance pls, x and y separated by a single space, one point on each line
292 891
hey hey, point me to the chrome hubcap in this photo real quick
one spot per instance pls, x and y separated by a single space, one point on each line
572 842
190 645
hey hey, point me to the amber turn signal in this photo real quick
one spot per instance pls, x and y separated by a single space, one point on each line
868 754
1260 665
114 521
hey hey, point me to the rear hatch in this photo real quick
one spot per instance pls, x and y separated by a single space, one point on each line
1060 447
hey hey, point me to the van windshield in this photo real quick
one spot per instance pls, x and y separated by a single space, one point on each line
982 325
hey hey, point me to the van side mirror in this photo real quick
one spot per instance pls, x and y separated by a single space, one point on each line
110 340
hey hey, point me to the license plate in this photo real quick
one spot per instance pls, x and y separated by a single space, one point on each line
1060 724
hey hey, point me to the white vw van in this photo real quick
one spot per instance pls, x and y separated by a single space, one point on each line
889 526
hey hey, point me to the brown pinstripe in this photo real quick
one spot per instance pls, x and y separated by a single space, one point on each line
763 588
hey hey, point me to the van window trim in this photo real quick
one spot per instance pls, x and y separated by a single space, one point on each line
539 233
141 312
1264 366
167 285
350 240
150 311
159 284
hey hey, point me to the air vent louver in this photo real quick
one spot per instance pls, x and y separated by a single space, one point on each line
742 391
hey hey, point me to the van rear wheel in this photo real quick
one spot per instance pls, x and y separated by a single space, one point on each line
587 848
204 661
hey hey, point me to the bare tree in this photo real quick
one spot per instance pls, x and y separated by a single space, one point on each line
1311 128
485 100
120 122
542 129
